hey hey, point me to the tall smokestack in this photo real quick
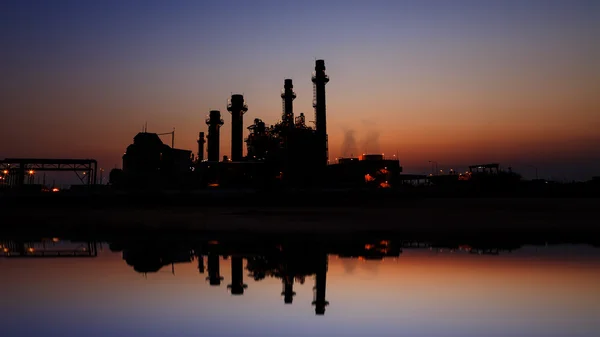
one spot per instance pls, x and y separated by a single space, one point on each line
288 95
319 80
237 285
238 108
214 123
201 142
320 285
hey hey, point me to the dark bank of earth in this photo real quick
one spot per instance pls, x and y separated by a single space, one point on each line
321 214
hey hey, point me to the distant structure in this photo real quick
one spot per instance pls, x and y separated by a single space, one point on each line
150 162
237 108
288 95
201 141
214 122
319 80
237 285
320 286
214 271
289 153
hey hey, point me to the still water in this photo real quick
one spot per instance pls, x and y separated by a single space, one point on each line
368 289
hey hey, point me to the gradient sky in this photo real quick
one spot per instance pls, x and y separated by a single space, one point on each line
458 82
552 291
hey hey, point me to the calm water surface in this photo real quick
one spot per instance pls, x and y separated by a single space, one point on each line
175 291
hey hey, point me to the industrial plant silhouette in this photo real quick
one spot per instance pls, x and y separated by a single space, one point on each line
287 260
287 154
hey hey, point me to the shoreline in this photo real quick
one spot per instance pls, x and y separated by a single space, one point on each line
535 218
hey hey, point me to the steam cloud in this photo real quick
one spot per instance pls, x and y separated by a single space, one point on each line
349 147
371 142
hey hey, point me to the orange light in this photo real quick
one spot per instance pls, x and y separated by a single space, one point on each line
55 189
5 172
31 172
55 239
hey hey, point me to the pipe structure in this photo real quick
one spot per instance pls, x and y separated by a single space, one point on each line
214 122
320 79
288 95
237 108
201 142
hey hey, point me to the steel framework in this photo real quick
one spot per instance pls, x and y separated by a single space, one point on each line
15 170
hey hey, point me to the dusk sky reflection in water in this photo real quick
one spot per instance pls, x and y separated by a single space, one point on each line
534 291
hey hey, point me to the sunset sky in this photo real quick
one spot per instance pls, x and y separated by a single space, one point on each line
457 82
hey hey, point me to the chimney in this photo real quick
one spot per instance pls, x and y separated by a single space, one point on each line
214 123
320 79
237 108
201 142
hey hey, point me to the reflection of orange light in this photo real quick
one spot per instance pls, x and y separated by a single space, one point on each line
213 185
30 250
213 242
384 243
369 178
55 239
369 246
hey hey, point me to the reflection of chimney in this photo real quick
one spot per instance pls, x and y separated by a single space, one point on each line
238 108
201 264
288 95
288 290
201 142
214 274
320 284
320 79
237 285
214 123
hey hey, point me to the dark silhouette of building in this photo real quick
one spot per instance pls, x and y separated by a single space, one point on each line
370 170
150 162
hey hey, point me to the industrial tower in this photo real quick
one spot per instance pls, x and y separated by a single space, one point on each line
237 285
238 108
319 80
201 142
214 122
288 95
320 285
